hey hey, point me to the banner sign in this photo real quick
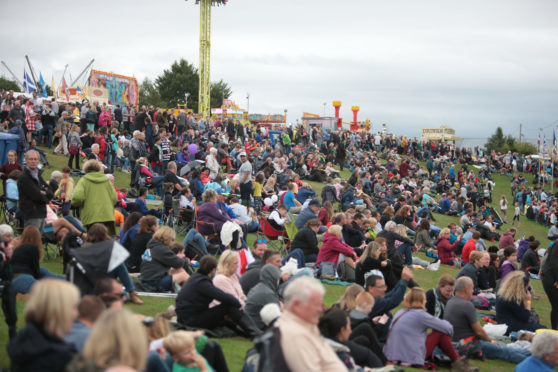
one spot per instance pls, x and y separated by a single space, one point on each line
121 89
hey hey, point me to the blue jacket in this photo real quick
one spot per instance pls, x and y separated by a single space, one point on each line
391 300
304 194
533 364
445 205
305 215
227 210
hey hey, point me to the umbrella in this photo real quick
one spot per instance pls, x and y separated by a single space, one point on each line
196 164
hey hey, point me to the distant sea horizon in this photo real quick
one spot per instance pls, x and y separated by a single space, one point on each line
472 142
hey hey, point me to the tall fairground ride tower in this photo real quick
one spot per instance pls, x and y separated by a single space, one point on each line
204 100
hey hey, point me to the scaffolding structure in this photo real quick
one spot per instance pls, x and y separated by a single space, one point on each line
204 94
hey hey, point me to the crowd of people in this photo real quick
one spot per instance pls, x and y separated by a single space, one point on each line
216 181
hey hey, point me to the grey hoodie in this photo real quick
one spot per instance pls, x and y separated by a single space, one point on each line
265 292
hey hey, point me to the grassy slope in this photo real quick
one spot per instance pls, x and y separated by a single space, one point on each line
235 348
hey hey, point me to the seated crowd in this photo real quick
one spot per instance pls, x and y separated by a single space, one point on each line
227 181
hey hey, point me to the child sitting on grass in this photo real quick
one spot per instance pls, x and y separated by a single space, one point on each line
182 348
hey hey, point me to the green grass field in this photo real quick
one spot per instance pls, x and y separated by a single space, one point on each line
235 348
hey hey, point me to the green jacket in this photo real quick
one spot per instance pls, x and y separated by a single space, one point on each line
286 139
96 196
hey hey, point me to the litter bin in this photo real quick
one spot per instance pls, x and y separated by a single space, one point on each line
7 142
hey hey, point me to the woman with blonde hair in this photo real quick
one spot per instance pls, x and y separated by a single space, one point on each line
333 247
49 316
375 257
227 277
347 302
161 267
117 341
446 250
408 342
513 303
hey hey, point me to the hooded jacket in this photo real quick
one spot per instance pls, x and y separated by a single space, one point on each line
96 197
251 276
157 260
265 292
35 350
446 249
332 247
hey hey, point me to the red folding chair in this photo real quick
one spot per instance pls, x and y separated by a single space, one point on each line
276 238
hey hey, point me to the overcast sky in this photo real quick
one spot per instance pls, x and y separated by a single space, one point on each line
473 65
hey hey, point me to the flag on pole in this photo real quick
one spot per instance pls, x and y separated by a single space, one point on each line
43 85
539 143
28 83
65 89
544 144
553 142
81 92
53 88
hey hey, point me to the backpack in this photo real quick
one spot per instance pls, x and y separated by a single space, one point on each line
193 251
346 272
267 354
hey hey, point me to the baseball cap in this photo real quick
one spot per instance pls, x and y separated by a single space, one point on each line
242 153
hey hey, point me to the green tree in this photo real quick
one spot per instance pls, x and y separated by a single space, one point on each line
172 84
500 143
525 148
219 92
8 84
149 94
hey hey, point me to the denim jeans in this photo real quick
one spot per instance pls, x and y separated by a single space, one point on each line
252 226
23 282
121 272
157 182
298 255
196 237
503 352
71 219
304 272
49 130
406 251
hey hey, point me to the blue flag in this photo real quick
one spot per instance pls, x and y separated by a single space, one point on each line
28 83
43 85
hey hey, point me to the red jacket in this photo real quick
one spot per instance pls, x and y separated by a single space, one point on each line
446 249
506 240
102 147
332 247
470 246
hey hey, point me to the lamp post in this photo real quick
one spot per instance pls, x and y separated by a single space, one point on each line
248 102
324 108
285 116
186 95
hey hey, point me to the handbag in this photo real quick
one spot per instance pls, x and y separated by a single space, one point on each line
73 150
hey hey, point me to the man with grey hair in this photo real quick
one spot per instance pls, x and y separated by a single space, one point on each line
544 352
460 312
34 192
303 347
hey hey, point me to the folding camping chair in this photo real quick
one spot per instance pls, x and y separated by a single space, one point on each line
276 238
